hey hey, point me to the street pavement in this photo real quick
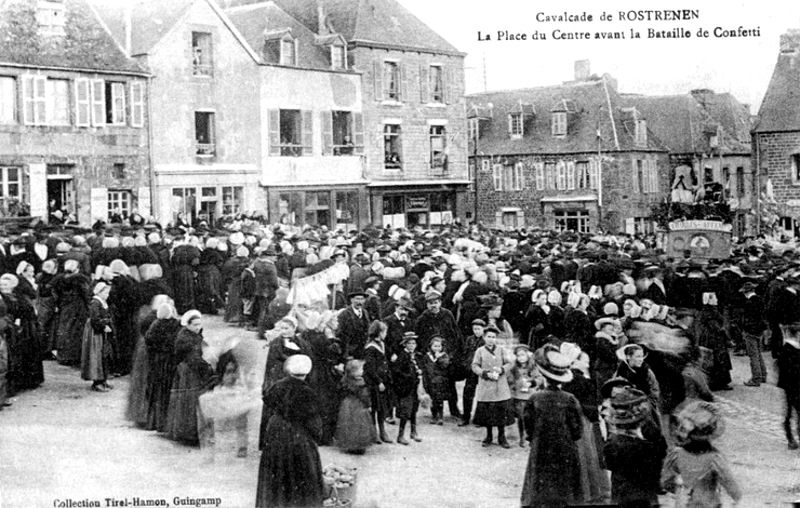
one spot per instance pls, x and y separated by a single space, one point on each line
64 445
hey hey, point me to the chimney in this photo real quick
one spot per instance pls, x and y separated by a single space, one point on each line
322 26
128 27
582 70
790 42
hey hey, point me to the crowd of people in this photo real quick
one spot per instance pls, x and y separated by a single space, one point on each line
600 352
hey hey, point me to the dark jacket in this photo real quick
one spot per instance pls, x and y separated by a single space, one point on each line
353 331
753 318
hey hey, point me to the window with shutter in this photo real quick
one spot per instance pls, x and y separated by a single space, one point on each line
98 98
8 100
358 133
561 175
497 175
515 125
423 83
377 80
83 115
550 175
559 123
328 118
653 175
115 103
519 177
436 81
34 99
594 168
539 176
308 132
57 101
571 175
274 118
137 104
391 81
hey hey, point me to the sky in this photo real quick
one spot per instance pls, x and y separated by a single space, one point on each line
655 66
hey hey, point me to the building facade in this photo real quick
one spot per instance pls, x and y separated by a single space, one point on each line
414 115
708 134
776 143
565 157
73 115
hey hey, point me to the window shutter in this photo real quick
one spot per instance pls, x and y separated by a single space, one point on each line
498 219
423 83
98 96
594 166
539 175
654 175
308 132
571 175
520 219
118 103
403 83
377 80
561 175
40 99
520 174
449 84
358 133
635 176
137 104
497 175
550 178
28 107
274 120
82 103
327 132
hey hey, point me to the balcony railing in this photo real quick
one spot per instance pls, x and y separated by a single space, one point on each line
201 69
206 149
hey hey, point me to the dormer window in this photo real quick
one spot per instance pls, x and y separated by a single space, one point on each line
289 52
202 62
559 123
515 125
641 132
338 57
51 16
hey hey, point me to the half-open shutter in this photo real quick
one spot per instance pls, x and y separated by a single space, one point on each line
98 102
358 133
594 166
274 119
83 114
635 176
423 83
377 80
308 132
498 219
497 176
327 132
450 85
539 168
403 83
571 175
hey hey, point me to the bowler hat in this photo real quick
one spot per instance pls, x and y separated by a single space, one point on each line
356 293
608 387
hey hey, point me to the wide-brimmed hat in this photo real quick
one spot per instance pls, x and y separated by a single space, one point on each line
552 364
297 365
408 336
629 407
699 421
616 381
600 323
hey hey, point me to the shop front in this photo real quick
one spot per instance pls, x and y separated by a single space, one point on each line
338 208
425 206
578 214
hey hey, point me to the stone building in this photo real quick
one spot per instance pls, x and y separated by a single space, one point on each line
709 133
74 115
776 141
565 157
204 97
414 115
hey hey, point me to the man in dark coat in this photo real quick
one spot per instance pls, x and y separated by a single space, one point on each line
656 292
398 324
373 301
789 380
753 326
514 306
438 321
353 328
775 301
358 273
266 284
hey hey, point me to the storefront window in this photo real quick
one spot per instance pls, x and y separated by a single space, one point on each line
318 208
232 200
442 208
184 201
346 210
577 221
290 206
394 211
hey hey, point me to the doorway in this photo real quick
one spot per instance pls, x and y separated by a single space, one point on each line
60 196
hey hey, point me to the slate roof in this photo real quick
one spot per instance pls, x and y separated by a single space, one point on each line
588 98
253 21
379 22
86 43
780 109
681 121
150 20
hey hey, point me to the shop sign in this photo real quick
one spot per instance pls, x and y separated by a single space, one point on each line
709 225
417 203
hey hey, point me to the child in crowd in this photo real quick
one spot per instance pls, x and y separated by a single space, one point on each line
406 375
377 377
354 429
701 467
248 294
436 363
523 378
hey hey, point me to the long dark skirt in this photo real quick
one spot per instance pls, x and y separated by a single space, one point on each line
290 472
182 415
233 308
69 331
137 408
494 414
25 359
95 354
160 371
354 429
183 284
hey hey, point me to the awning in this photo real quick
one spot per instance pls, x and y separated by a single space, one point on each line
417 183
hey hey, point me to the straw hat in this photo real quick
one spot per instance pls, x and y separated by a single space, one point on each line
699 421
629 407
552 364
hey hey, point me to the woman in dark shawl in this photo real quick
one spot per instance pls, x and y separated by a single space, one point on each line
72 295
25 361
290 472
160 340
96 353
185 258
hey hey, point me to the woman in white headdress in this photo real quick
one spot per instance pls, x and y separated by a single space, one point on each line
232 279
73 293
96 352
160 340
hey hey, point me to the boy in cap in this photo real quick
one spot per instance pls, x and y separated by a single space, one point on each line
753 327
